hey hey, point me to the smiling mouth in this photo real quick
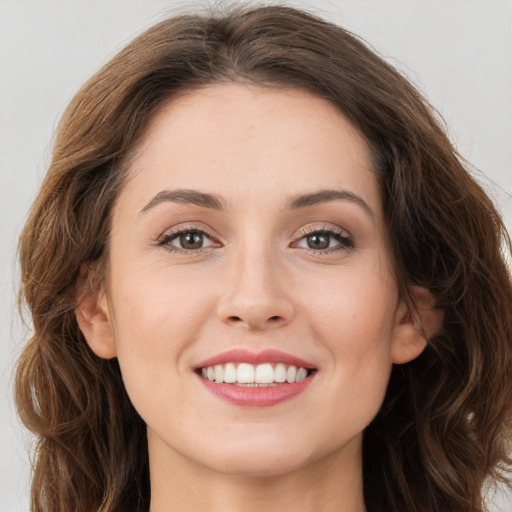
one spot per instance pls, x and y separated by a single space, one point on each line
255 376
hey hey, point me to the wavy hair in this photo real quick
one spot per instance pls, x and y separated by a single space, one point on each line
445 423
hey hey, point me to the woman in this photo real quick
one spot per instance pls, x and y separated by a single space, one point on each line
260 276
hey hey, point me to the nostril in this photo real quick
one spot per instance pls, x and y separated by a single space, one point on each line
255 319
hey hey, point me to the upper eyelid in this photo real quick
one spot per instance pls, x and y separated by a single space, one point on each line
183 228
323 229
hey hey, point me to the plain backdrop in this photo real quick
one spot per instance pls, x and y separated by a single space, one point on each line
458 52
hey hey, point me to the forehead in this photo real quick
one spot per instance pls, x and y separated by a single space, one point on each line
257 140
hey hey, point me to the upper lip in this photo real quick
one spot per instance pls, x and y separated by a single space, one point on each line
246 356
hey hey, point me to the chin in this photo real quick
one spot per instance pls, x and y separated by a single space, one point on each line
270 456
261 465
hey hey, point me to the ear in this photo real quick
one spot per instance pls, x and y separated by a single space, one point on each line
93 316
415 325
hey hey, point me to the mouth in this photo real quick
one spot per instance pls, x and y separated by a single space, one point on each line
251 375
250 379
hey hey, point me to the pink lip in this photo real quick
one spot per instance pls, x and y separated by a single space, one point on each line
255 396
245 356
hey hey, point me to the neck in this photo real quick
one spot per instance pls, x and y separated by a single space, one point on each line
327 485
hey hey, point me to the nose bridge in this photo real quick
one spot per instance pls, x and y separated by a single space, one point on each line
255 292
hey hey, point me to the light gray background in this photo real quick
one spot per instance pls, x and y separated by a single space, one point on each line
459 52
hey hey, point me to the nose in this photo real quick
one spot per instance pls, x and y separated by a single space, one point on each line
255 293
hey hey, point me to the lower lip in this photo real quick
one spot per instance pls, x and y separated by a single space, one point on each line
254 396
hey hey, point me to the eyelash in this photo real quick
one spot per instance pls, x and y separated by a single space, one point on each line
345 241
166 239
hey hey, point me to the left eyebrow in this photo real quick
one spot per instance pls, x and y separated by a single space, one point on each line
185 196
323 196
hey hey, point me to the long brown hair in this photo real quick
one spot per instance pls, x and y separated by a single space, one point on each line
446 419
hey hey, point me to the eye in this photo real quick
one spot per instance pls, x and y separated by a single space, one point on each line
325 239
186 240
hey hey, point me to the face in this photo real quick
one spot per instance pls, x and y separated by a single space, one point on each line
249 246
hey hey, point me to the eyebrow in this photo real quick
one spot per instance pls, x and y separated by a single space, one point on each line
185 196
323 196
202 199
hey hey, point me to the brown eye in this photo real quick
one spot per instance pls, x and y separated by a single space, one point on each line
191 240
186 240
327 240
318 241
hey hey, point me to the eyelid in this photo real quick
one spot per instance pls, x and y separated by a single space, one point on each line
346 241
324 228
172 233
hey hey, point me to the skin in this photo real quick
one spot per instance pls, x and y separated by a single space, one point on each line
255 284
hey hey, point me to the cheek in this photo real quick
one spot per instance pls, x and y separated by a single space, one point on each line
353 318
353 312
155 304
155 320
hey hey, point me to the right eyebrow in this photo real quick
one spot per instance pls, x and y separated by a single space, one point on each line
185 196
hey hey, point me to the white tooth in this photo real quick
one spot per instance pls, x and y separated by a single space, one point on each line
219 373
301 374
230 373
204 372
245 373
264 374
211 373
280 372
291 374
